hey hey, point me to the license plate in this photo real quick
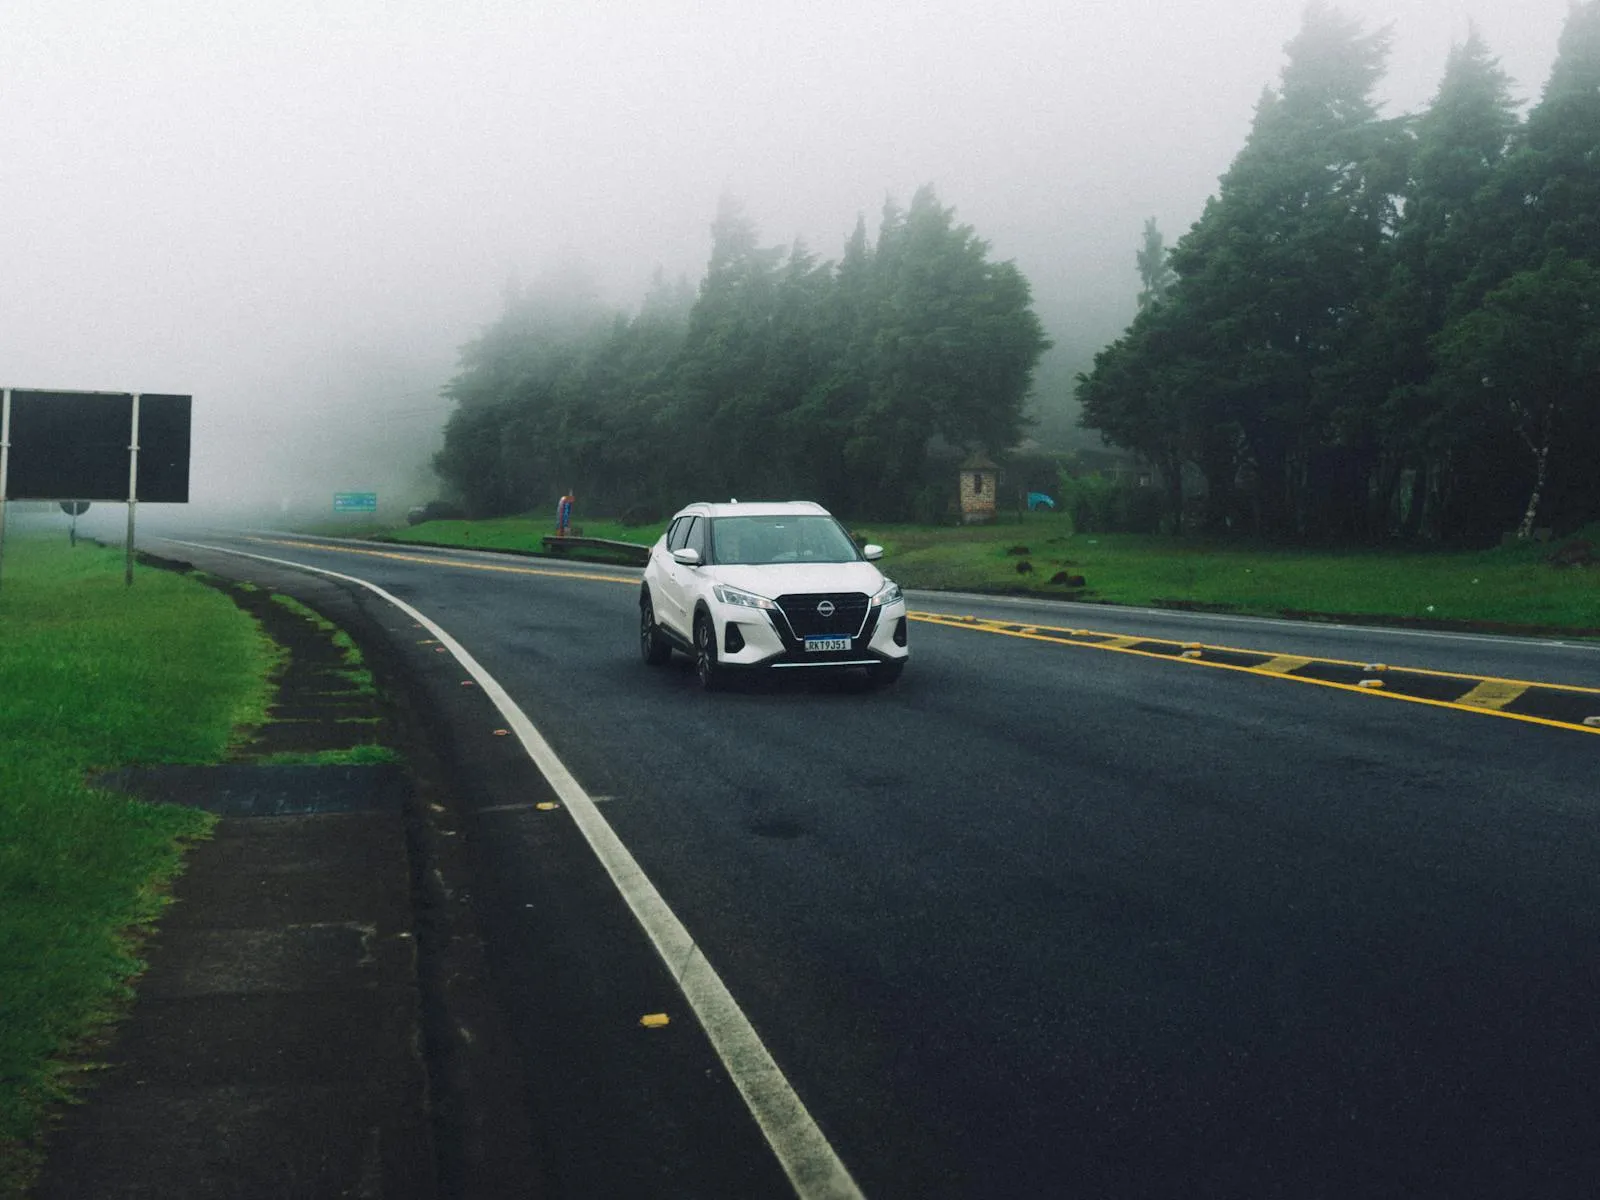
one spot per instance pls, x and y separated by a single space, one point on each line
827 643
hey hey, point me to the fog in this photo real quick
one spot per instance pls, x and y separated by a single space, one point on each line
297 212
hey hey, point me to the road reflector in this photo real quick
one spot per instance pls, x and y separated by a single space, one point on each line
1371 683
546 805
1191 646
439 650
467 683
1191 654
655 1020
1592 722
502 733
1375 667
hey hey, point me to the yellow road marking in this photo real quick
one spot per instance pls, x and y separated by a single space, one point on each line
1284 664
1112 641
1491 693
1116 644
449 562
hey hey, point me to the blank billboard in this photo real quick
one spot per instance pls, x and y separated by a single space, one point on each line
75 446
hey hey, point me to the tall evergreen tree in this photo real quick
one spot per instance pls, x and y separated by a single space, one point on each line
1542 201
1558 163
1282 267
1460 143
1155 272
955 342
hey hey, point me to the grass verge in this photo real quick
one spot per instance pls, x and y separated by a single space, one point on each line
95 675
355 671
523 534
1512 587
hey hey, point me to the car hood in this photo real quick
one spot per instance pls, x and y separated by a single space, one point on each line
782 579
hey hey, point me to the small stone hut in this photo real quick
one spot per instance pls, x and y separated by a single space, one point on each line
980 486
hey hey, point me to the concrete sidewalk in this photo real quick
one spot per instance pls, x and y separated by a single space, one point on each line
275 1048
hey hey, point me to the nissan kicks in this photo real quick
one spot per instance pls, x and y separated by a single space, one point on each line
779 586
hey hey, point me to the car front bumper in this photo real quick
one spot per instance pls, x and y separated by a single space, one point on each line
763 639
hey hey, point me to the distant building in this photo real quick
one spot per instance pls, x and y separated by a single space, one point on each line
980 486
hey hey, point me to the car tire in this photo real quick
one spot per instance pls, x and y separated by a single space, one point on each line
882 674
653 647
706 666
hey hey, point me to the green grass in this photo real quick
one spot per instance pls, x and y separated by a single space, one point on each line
523 534
95 675
1511 585
365 755
355 668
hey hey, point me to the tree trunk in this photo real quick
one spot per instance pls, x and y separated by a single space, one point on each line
1542 458
1172 478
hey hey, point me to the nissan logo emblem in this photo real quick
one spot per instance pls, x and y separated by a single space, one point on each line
825 609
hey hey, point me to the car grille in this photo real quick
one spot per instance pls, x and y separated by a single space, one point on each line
848 615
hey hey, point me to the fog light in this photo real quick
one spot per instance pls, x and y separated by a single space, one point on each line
732 639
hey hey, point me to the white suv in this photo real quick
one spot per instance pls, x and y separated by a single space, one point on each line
769 585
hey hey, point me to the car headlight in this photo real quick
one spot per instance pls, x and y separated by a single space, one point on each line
888 594
732 595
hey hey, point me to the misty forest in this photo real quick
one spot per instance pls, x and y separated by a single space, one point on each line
1379 327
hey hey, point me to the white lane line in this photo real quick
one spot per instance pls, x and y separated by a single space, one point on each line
813 1168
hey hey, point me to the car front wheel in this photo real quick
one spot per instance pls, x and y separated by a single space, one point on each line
882 674
705 654
654 648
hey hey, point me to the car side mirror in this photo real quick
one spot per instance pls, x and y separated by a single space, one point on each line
871 553
687 557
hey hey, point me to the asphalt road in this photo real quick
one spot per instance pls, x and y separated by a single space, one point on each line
1042 919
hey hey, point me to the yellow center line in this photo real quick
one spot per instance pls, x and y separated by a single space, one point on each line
449 562
1117 644
1112 640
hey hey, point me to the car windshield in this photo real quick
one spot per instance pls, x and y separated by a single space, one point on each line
780 539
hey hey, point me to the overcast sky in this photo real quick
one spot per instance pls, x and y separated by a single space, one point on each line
297 211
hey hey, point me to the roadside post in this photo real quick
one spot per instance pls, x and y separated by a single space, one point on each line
133 488
5 462
74 509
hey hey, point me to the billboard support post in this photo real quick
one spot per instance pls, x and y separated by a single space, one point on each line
5 463
133 488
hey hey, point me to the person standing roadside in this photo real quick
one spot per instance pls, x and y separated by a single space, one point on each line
564 514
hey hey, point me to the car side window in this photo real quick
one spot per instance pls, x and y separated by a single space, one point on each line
679 533
697 538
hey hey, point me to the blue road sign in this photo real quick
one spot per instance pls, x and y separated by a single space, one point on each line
355 502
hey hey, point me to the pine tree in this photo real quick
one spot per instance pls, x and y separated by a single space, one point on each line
1155 272
1460 143
1282 268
